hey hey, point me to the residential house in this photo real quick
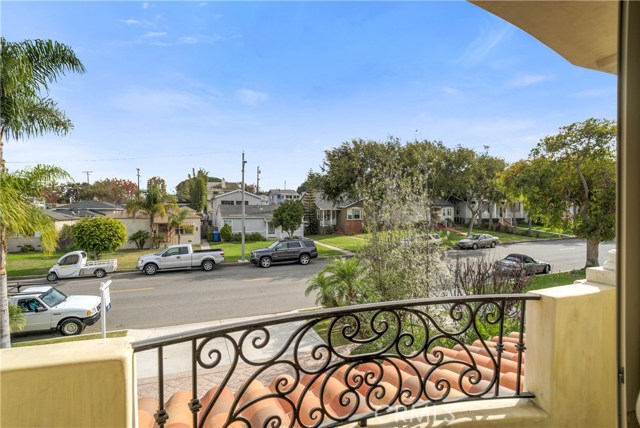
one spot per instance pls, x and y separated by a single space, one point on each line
257 219
88 208
233 198
277 196
345 217
189 232
445 212
503 213
15 242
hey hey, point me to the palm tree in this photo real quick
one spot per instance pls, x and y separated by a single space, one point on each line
19 215
339 284
26 70
176 220
152 202
323 286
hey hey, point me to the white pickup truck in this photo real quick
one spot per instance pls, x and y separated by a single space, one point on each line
46 308
75 264
180 257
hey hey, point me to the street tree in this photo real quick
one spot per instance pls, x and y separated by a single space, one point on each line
98 235
27 68
570 181
158 182
114 190
152 202
176 221
289 216
198 190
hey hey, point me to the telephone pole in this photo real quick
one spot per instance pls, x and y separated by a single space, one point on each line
258 181
138 173
242 233
88 173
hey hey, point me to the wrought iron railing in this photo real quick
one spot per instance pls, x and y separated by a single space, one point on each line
334 366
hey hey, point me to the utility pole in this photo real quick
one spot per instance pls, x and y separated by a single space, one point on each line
88 173
258 181
138 171
242 233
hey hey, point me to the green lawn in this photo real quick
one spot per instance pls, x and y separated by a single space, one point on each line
349 243
119 333
556 279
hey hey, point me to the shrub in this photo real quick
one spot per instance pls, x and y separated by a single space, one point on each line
255 236
140 238
157 240
27 248
99 235
225 233
67 239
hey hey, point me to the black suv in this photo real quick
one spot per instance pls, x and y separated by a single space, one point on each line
300 250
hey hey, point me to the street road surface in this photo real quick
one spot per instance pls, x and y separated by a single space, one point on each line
185 297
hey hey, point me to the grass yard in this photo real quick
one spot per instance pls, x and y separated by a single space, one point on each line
119 333
349 243
556 279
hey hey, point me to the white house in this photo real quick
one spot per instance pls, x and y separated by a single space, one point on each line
258 218
15 242
500 212
277 196
233 198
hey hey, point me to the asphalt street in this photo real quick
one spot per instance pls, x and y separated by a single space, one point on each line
182 297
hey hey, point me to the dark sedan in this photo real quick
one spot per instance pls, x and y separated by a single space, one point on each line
516 263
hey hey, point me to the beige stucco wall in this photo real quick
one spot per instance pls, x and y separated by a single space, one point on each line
141 222
75 384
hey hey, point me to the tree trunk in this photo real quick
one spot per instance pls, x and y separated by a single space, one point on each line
473 219
5 338
592 252
490 209
529 231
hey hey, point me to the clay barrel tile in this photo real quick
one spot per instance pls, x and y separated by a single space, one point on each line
222 404
145 419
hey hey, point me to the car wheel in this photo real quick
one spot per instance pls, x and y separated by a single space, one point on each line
547 269
475 246
71 327
100 273
207 265
150 269
493 244
304 259
265 262
52 277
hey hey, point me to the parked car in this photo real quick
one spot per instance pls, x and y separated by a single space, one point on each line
178 257
516 263
75 264
432 238
46 308
478 240
300 250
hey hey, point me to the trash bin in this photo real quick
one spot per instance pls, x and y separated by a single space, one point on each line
216 236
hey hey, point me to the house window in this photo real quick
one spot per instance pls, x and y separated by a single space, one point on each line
185 229
226 202
354 214
272 230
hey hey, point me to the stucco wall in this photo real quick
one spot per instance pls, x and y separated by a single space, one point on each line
76 384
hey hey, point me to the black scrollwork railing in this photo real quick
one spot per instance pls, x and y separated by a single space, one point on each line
334 366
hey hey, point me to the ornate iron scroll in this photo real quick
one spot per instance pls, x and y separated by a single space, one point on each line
368 360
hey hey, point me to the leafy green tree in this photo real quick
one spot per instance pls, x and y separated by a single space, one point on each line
66 238
226 233
198 190
157 182
115 190
288 215
153 202
176 220
140 238
27 69
570 181
98 235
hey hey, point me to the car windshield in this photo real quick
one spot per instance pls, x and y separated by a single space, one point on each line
273 245
474 236
53 297
512 258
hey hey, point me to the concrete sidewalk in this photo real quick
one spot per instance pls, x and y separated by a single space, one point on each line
345 252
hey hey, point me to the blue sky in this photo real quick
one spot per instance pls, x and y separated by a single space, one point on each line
172 86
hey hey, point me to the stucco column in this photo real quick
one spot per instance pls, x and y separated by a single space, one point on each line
628 233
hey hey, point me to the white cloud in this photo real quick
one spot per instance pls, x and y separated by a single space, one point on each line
523 80
146 5
449 90
202 4
155 34
250 97
479 48
594 93
130 21
187 40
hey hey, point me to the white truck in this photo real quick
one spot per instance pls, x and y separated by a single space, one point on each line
75 264
46 308
180 257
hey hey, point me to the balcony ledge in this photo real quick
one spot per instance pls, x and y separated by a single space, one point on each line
522 413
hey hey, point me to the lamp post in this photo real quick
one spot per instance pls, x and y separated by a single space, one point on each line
242 232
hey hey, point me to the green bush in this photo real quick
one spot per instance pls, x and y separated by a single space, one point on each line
157 240
97 235
27 248
255 236
67 239
225 233
140 238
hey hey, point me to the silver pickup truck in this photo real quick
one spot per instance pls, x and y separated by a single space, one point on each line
180 257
